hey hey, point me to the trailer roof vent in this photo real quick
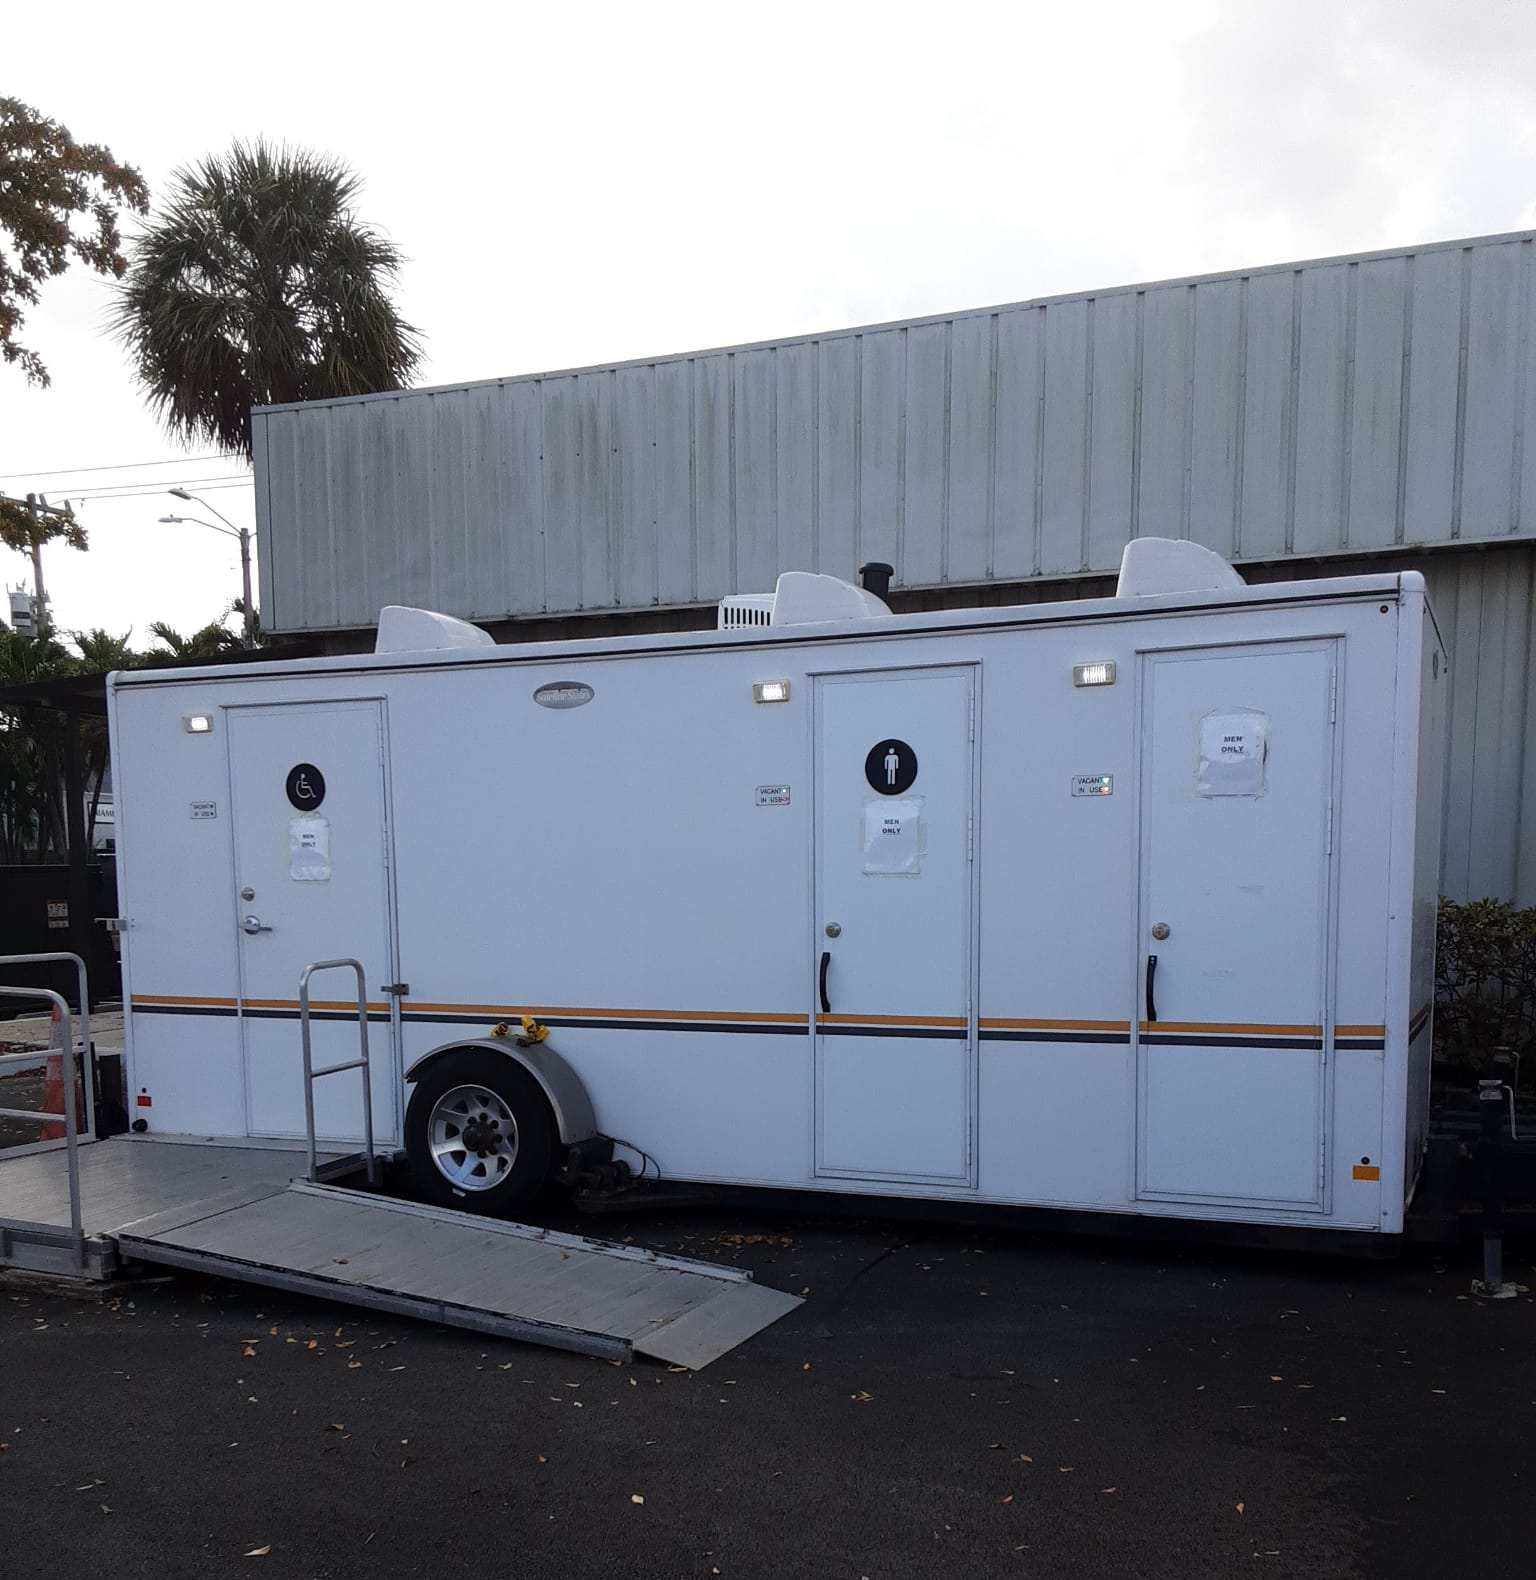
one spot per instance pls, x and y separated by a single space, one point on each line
805 598
403 630
1172 565
744 609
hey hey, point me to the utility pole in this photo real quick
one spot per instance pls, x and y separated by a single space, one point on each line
43 521
37 557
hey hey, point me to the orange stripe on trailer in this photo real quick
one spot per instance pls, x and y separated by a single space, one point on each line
511 1011
823 1019
1359 1031
992 1023
314 1003
1366 1171
167 998
1229 1029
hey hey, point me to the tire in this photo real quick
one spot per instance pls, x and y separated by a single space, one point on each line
456 1133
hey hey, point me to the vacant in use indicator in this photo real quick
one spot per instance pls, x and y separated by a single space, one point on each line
1093 784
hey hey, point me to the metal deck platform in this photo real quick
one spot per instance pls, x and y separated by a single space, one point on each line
236 1211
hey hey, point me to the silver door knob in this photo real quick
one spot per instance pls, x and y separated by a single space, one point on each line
1160 930
254 924
833 930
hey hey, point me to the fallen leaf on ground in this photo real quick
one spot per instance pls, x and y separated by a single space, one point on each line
635 1497
248 1351
1239 1508
259 1552
1009 1498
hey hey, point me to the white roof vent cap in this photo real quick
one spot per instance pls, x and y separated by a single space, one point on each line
1172 565
403 630
807 598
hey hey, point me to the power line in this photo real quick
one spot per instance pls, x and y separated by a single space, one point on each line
123 466
146 483
155 493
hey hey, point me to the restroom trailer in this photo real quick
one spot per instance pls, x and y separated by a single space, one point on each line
1123 905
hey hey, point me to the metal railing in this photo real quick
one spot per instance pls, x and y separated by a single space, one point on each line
311 1074
67 1060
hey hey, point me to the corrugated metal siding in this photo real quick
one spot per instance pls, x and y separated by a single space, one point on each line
1311 409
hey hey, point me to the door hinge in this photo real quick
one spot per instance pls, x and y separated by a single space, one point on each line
971 719
1328 837
970 836
1333 696
395 989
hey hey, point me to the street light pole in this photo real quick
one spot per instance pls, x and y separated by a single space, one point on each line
244 534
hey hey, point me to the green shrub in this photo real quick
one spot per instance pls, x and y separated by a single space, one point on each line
1485 980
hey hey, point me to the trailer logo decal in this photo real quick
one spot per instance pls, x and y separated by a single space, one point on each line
564 694
891 767
306 786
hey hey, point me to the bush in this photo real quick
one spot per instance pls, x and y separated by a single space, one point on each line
1485 980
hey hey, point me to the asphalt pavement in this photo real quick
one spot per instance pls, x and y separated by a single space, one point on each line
946 1402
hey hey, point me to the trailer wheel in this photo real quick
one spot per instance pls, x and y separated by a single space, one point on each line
479 1133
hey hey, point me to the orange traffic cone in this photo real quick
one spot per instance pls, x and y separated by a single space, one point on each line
53 1084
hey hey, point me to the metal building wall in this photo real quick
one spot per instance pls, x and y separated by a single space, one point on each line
1309 409
1295 418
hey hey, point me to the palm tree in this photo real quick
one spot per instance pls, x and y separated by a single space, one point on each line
210 641
257 284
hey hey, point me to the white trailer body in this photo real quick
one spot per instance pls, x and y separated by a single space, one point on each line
941 923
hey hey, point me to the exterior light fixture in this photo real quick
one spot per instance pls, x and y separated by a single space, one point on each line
770 691
197 723
1101 673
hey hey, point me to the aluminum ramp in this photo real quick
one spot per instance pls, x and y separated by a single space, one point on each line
510 1280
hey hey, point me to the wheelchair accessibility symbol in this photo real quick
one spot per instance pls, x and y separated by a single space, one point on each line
306 786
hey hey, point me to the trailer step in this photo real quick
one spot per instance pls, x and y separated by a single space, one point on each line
509 1280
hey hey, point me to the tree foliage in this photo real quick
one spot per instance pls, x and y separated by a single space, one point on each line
257 284
22 531
1485 980
33 825
47 181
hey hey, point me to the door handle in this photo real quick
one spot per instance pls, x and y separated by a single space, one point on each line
1151 979
254 924
826 960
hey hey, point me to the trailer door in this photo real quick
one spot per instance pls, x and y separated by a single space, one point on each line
892 952
312 882
1232 974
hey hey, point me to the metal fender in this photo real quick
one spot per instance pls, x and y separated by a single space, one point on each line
568 1098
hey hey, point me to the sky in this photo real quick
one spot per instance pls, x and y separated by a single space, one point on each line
577 184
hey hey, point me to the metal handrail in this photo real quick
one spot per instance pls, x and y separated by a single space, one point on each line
61 955
71 1131
311 1074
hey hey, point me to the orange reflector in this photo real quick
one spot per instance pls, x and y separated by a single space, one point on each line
1366 1171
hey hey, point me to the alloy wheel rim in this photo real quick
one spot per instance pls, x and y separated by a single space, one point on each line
472 1136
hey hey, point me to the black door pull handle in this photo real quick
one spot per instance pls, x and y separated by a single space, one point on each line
1151 978
826 960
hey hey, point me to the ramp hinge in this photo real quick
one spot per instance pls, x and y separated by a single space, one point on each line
395 989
